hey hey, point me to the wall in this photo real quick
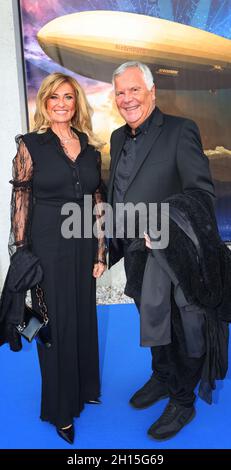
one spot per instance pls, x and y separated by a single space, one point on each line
13 115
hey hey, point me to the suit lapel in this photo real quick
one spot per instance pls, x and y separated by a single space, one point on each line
153 134
116 154
115 158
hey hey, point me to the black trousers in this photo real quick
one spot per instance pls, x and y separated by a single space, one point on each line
171 363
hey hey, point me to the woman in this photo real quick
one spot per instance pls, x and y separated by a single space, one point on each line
56 164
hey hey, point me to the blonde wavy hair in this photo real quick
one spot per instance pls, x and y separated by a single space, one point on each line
82 117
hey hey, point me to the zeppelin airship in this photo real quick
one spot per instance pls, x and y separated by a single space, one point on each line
94 43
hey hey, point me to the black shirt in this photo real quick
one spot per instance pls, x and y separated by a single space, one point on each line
132 147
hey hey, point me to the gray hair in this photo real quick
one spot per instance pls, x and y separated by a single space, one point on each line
148 77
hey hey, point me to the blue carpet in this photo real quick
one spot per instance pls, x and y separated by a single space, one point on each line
114 424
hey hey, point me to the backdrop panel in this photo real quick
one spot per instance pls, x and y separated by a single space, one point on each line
186 43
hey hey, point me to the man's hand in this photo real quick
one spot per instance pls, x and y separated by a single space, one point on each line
147 240
99 269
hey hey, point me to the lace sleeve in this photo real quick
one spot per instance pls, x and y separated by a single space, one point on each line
99 198
21 199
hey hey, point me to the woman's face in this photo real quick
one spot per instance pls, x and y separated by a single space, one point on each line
61 105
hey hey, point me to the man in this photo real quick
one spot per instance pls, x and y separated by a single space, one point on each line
154 156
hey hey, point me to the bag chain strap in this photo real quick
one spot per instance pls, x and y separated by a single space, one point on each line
41 303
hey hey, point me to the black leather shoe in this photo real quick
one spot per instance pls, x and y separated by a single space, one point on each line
172 420
150 393
67 434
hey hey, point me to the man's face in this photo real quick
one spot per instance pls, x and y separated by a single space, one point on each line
134 101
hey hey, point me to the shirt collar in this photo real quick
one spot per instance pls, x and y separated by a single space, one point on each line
142 129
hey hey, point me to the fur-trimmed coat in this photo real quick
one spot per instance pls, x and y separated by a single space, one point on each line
203 269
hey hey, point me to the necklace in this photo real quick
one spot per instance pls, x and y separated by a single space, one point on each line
65 149
66 140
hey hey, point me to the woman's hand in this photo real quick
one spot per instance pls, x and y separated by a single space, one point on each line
99 269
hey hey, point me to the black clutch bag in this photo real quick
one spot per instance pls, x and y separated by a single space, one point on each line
35 324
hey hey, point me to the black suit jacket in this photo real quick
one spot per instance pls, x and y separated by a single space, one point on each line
172 162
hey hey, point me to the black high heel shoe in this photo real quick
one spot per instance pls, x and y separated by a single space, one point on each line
96 401
67 434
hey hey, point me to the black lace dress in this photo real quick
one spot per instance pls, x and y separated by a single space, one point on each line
44 178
